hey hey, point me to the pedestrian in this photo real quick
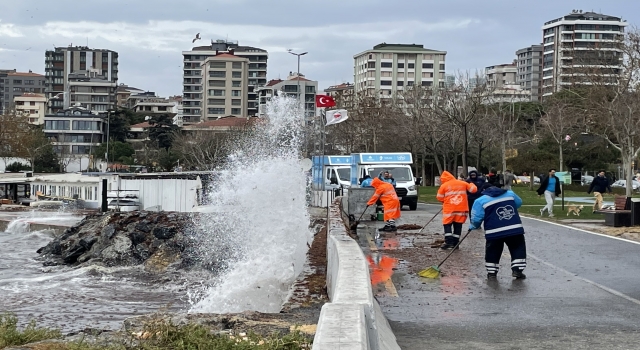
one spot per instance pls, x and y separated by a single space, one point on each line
387 177
478 181
492 177
509 179
550 187
455 209
387 195
600 184
366 181
498 209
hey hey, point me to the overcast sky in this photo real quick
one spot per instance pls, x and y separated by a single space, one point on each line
150 35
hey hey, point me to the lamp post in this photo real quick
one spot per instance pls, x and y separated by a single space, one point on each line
298 72
108 127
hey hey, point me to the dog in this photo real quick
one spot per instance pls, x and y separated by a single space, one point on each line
598 203
575 209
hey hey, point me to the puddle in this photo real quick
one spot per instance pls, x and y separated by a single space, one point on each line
381 267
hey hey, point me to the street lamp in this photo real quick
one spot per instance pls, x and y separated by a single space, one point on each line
298 54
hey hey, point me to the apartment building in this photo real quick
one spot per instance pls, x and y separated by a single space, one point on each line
342 94
14 83
388 68
508 93
529 64
577 43
194 108
123 92
149 104
225 86
31 106
296 86
80 75
500 75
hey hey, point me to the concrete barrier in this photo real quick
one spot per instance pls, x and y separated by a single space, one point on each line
353 319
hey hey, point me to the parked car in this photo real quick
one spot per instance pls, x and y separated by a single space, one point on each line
586 180
623 184
527 179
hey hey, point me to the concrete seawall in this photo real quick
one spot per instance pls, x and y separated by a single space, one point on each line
57 229
353 319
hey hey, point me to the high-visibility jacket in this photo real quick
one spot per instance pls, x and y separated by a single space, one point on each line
453 195
388 197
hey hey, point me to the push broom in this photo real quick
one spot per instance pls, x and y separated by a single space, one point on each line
434 271
354 226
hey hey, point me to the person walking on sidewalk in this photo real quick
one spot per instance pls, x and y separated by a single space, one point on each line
387 195
455 207
478 181
498 209
600 184
550 187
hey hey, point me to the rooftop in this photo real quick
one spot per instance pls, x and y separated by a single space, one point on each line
25 74
78 48
578 15
30 95
274 82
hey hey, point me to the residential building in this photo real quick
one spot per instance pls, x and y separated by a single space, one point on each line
388 68
499 75
194 108
296 86
578 43
78 74
225 86
14 83
475 81
74 133
32 106
342 94
529 64
149 104
123 92
178 119
508 93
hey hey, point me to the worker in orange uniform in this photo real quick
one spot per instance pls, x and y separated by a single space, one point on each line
387 195
455 209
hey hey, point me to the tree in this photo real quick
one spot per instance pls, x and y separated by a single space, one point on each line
203 150
35 144
46 160
12 126
162 130
118 151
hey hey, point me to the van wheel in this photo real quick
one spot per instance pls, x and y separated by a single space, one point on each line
413 206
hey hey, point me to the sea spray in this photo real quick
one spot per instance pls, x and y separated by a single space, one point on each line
259 229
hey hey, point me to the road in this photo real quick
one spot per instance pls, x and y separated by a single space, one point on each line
582 290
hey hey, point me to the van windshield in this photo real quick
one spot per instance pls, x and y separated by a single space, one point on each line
344 174
399 174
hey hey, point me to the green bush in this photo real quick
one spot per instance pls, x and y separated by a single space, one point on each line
10 335
16 167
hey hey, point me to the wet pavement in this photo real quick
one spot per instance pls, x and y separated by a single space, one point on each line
582 290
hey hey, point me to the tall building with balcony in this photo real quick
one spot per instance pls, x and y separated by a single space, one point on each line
32 106
388 68
148 103
529 64
578 43
225 86
194 109
78 75
296 86
500 75
14 83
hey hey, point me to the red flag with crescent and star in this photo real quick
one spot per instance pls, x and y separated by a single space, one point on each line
325 101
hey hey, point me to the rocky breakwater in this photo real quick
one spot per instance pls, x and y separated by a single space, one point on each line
155 239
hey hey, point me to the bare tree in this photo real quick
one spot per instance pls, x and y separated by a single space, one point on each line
559 121
12 126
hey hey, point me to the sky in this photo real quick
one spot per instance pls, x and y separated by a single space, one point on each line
150 35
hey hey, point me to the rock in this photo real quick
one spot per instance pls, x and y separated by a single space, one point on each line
118 252
141 252
143 226
164 232
87 242
71 255
137 237
108 231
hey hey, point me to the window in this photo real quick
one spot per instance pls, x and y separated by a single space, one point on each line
411 75
217 74
16 81
427 56
410 83
371 65
29 82
387 55
310 89
235 93
84 125
236 111
216 83
385 82
400 83
216 92
385 74
441 66
427 65
400 65
216 101
32 103
236 74
80 149
236 65
236 102
427 83
56 125
236 83
386 65
219 111
290 88
411 65
222 65
17 89
400 74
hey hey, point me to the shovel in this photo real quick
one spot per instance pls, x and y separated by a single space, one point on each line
355 224
423 227
434 271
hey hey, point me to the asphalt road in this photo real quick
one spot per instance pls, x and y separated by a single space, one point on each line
582 290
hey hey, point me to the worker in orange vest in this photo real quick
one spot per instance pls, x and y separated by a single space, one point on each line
455 209
387 195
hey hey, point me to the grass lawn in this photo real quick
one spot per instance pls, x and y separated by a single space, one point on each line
531 203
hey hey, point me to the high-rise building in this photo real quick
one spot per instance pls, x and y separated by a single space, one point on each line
388 68
579 43
225 86
296 86
194 108
80 76
529 64
14 83
500 75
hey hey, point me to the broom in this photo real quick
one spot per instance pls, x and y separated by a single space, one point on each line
434 271
355 224
423 227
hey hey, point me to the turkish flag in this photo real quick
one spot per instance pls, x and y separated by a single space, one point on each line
325 101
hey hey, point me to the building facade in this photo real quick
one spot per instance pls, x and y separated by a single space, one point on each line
194 98
500 75
149 103
342 94
14 83
31 106
296 86
529 64
225 86
578 43
80 75
75 132
387 68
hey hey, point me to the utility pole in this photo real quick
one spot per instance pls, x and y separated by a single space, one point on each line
301 99
108 127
